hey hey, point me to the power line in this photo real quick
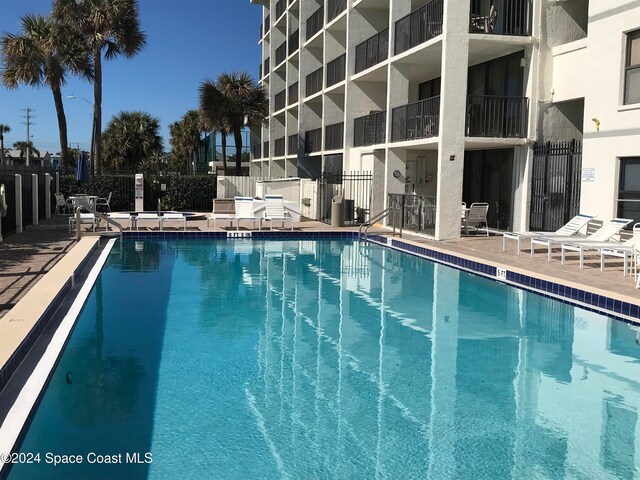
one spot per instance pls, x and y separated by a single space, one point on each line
28 123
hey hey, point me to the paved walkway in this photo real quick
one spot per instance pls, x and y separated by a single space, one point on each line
26 257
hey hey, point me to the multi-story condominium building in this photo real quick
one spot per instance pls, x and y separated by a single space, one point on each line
532 106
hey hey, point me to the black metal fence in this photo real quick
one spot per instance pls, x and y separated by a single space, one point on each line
335 8
313 140
336 70
334 136
555 184
416 120
281 53
294 41
372 51
419 26
293 93
370 129
9 220
315 22
42 200
417 212
496 116
280 101
505 17
355 190
278 147
314 82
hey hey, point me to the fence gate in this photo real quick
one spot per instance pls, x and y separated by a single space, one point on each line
555 192
355 189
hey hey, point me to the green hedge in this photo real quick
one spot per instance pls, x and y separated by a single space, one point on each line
122 187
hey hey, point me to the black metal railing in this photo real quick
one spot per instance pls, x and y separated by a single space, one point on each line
267 23
314 82
416 120
336 70
356 190
417 212
494 116
370 129
294 42
278 147
292 144
334 136
313 140
315 22
266 66
265 150
281 6
281 53
280 101
256 151
293 93
419 26
511 17
372 51
335 8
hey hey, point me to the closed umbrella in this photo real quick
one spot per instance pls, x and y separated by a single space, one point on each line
82 168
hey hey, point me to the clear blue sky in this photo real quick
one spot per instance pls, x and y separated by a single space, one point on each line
187 41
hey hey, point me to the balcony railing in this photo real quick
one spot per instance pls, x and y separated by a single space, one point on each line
334 136
293 93
292 145
265 71
278 147
372 51
280 8
281 53
370 129
315 22
280 101
265 150
314 82
294 41
512 17
419 26
493 116
267 23
336 70
256 151
335 8
416 120
417 212
313 141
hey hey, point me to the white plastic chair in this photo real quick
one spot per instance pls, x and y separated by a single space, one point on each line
104 202
476 217
275 212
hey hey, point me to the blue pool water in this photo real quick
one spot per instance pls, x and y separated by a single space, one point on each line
303 359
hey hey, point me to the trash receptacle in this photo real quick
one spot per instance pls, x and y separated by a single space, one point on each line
337 212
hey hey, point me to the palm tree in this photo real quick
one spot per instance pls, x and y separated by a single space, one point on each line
247 104
107 27
131 139
3 129
24 147
185 137
42 55
214 109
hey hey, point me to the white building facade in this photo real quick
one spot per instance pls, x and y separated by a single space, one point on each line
450 101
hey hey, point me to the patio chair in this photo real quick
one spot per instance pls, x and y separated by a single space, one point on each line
603 234
173 217
85 219
149 216
61 204
275 212
463 211
119 216
104 202
222 210
245 211
476 217
572 227
622 250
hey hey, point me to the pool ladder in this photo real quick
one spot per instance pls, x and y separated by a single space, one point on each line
396 216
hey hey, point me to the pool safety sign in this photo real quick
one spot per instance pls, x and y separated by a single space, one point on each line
588 174
238 234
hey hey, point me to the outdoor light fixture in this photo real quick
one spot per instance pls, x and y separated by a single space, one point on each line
397 174
596 123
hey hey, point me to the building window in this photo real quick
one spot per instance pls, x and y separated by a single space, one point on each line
632 69
629 190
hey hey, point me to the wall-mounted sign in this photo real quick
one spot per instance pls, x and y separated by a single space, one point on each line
163 187
589 174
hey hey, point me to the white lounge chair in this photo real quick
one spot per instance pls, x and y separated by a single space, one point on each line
245 211
476 217
572 227
222 210
275 212
85 219
119 216
593 241
175 218
148 216
622 250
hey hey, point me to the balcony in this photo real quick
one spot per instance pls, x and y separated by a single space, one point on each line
280 101
293 93
292 145
313 141
372 51
512 17
314 82
336 70
497 117
315 22
335 8
416 120
370 129
294 42
256 151
281 53
278 147
419 26
281 6
334 136
265 150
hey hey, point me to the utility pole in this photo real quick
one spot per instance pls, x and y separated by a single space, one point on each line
28 123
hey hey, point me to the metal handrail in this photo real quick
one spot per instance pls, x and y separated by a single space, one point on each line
97 214
383 214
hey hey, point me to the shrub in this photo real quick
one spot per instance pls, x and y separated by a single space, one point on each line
122 187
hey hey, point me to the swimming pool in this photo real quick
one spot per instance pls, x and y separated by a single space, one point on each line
325 359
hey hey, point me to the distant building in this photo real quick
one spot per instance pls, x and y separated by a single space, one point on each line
15 157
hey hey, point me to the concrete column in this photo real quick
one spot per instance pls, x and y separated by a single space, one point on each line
396 161
47 195
453 107
522 166
18 201
34 199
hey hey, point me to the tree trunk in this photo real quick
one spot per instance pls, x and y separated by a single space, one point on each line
62 126
237 133
97 108
223 137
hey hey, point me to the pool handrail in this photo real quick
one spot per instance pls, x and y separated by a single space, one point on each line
97 215
380 216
